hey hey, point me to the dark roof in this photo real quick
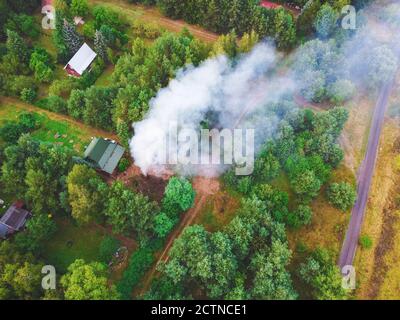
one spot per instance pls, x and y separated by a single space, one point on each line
3 231
105 154
15 218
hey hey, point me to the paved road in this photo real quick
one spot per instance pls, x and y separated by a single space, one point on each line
365 175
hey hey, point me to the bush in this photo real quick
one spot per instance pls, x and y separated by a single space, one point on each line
15 84
108 247
300 217
53 103
123 165
11 131
28 95
365 242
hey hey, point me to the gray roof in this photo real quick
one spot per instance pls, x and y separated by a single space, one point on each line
105 154
3 231
82 59
14 218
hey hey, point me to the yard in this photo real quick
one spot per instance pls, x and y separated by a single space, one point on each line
55 128
72 242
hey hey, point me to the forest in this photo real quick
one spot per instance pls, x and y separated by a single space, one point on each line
250 256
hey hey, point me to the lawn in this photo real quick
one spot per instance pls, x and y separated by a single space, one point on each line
57 132
55 128
72 242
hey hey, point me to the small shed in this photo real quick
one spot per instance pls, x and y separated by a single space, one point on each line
104 154
13 220
82 59
270 5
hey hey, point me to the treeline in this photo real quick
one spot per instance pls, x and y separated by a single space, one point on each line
241 16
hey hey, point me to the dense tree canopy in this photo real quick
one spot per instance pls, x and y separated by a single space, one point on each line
87 281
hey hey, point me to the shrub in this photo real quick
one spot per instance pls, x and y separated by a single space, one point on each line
365 242
123 165
53 103
108 247
28 95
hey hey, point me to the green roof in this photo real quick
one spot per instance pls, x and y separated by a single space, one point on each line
104 154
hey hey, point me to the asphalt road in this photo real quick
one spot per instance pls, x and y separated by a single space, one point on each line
365 175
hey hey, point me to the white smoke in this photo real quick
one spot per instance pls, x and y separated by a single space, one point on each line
237 92
229 89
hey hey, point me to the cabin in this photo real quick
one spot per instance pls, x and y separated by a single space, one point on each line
104 154
270 5
81 61
13 220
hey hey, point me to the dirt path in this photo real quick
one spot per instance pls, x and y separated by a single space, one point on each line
205 187
151 14
58 117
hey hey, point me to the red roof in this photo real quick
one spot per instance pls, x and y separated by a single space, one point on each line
71 71
270 5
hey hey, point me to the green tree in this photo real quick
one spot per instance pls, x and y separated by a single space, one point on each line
39 229
179 196
72 39
342 195
322 276
128 211
87 281
79 8
86 194
325 21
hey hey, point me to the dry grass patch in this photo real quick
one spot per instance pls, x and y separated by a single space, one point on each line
375 267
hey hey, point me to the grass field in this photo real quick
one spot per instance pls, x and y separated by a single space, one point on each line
54 128
72 242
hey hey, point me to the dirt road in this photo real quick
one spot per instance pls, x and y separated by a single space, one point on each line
204 188
365 176
153 15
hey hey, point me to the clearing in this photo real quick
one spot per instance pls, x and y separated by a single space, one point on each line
55 128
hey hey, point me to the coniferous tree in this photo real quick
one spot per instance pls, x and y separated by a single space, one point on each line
100 45
72 39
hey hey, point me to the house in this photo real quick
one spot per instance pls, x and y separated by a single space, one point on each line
104 154
13 220
270 5
82 59
79 21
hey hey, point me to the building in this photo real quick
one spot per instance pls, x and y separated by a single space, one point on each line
13 220
79 63
270 5
104 154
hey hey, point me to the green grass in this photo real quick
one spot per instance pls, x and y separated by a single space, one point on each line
105 78
72 242
51 130
60 133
